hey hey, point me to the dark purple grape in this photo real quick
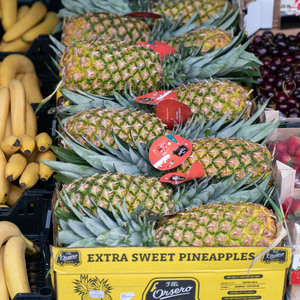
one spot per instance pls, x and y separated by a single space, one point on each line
282 107
297 55
284 52
296 72
296 93
292 38
285 68
267 44
297 78
293 48
279 36
264 72
273 51
259 80
271 79
294 110
261 51
281 97
282 44
271 95
289 59
267 34
257 39
266 86
280 74
261 99
266 61
279 83
273 67
291 101
277 61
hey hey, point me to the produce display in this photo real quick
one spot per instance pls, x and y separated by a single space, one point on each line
125 72
280 71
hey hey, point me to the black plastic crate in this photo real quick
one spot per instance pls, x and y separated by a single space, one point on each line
32 214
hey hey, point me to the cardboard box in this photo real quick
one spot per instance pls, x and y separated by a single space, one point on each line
170 273
186 273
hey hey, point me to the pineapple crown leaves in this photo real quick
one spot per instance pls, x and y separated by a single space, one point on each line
239 128
83 285
203 191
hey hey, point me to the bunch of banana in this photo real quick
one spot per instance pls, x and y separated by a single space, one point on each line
22 164
13 273
24 24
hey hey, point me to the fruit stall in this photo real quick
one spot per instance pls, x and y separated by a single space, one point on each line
149 150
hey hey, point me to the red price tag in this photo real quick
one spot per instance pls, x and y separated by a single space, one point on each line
144 14
169 151
172 112
196 171
154 98
161 48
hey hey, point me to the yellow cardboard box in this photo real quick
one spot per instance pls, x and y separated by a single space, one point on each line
169 273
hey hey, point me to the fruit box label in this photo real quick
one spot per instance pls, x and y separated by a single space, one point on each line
187 273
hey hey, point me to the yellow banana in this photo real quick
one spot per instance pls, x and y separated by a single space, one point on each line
14 194
34 15
3 205
43 141
4 183
22 10
45 171
30 176
30 120
45 27
4 111
8 230
8 130
15 166
32 87
10 145
15 266
27 144
17 45
3 287
17 106
9 13
12 65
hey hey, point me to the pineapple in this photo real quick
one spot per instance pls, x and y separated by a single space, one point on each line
213 99
186 8
207 99
102 67
222 157
207 37
93 25
127 124
213 224
226 224
110 189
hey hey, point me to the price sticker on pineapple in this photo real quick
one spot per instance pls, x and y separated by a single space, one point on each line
169 151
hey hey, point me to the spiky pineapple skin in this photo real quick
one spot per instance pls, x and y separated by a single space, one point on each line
213 99
240 224
125 123
222 157
207 37
187 8
102 67
113 188
94 25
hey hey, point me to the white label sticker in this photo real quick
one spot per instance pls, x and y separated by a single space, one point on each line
96 294
127 296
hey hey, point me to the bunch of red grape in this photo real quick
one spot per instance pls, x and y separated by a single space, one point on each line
280 71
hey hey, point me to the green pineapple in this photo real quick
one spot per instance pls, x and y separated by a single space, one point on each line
93 25
101 67
110 189
186 8
213 224
126 123
207 38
